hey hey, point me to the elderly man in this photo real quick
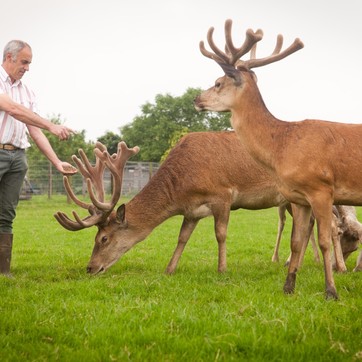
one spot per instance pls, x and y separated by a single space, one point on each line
18 118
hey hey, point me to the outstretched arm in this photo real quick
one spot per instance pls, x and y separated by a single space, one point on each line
45 147
27 116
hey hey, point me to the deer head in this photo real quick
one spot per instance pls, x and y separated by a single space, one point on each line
102 213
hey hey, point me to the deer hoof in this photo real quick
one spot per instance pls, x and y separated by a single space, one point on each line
289 285
331 293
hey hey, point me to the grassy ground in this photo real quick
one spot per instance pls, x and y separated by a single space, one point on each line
53 311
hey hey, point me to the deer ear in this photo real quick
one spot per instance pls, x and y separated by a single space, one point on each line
121 214
253 75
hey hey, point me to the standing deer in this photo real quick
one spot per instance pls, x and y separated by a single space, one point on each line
206 173
314 163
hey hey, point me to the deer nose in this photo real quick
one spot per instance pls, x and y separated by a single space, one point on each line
89 269
197 104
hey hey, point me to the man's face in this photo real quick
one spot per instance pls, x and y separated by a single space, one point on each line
17 68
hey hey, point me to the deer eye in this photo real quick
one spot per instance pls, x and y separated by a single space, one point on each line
104 239
217 84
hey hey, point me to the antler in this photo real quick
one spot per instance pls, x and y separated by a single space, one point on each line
99 210
232 55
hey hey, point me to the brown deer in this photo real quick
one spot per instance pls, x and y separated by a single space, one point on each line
206 173
315 163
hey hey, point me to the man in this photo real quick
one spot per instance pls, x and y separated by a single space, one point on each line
18 117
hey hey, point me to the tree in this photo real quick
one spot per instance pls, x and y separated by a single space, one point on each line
110 140
168 116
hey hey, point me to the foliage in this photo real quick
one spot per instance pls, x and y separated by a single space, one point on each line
173 141
111 140
159 122
53 311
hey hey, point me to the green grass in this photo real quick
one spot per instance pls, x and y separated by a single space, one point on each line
53 311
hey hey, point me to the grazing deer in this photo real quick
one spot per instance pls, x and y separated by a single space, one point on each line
206 173
315 163
350 233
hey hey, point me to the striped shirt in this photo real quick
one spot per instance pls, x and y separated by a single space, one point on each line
13 131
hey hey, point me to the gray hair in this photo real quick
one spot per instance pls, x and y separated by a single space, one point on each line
14 47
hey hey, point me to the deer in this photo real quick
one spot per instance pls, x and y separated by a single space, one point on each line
349 232
205 174
315 163
199 178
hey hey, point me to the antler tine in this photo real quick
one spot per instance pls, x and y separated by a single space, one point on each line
275 56
94 173
277 48
218 53
117 161
250 40
79 224
67 223
71 194
210 55
115 164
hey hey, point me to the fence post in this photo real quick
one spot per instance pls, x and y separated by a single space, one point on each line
50 181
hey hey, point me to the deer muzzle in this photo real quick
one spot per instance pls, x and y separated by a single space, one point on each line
95 270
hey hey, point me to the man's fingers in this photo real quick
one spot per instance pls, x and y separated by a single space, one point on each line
69 170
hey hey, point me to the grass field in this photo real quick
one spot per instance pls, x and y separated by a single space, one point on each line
53 311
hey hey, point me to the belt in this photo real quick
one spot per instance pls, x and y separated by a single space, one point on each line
8 147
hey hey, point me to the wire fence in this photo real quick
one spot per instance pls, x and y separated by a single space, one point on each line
43 178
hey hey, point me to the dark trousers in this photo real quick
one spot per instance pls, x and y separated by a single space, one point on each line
13 167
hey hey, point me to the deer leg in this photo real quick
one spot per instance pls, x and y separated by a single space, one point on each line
300 235
221 219
322 212
310 234
281 223
302 253
338 264
359 263
188 226
314 246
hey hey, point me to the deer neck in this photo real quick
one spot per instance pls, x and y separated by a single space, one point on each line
151 206
255 126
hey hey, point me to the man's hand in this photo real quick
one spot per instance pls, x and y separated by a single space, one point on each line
66 168
62 132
